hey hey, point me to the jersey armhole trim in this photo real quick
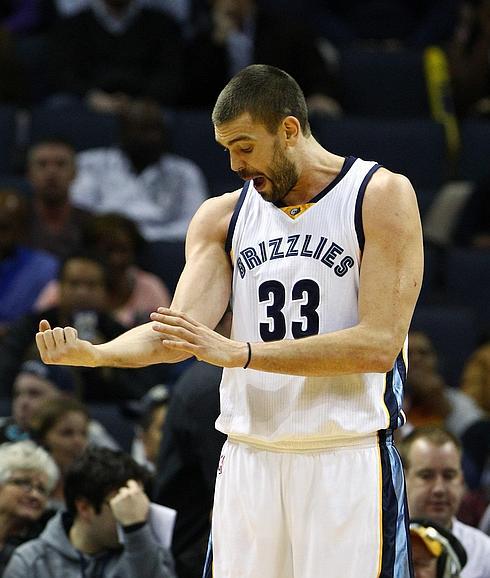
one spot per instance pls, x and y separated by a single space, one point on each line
234 217
358 210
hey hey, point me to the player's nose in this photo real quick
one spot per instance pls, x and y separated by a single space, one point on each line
236 163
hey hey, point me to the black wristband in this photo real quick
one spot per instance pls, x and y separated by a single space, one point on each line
249 358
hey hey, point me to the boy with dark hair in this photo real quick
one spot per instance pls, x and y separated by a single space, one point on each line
103 488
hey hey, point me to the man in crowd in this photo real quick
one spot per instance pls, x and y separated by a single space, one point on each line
55 224
435 487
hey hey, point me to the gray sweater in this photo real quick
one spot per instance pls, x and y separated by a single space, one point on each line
53 556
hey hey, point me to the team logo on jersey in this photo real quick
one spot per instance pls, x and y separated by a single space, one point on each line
296 210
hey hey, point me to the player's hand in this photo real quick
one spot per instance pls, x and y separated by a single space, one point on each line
181 333
130 505
61 346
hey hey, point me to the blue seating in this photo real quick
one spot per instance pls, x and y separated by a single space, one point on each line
83 128
33 54
467 281
453 330
165 259
416 148
475 150
192 136
5 407
383 84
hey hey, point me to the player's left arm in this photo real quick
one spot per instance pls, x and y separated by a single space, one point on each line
390 281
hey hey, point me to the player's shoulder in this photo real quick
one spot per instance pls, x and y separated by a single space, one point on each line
220 206
216 212
389 204
385 181
387 188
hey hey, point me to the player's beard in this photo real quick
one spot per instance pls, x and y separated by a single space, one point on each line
283 176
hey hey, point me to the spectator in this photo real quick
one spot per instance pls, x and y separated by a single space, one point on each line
436 552
476 377
27 476
60 425
83 289
151 412
115 51
435 487
23 271
55 225
36 383
102 488
429 401
179 10
240 33
139 178
187 463
132 293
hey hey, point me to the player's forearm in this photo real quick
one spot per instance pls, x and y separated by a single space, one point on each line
353 350
135 348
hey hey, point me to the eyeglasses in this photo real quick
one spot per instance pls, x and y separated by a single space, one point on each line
28 486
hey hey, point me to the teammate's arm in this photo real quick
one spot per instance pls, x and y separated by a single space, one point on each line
203 291
390 280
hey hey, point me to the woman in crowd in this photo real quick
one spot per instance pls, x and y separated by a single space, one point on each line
61 426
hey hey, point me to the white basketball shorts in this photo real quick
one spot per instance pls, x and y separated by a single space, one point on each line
334 513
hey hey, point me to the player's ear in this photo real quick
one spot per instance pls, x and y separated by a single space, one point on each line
291 128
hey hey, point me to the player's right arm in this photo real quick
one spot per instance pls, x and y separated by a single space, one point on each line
203 291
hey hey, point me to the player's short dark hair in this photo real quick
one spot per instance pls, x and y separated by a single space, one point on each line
98 472
435 435
267 93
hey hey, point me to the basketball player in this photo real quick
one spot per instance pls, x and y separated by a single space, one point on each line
321 259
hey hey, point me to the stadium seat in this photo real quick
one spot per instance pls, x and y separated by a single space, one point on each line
165 259
475 150
83 128
468 281
5 407
416 148
453 330
33 54
383 84
192 136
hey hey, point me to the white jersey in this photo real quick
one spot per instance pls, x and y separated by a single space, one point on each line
295 274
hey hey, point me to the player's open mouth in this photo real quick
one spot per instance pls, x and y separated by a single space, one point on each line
259 183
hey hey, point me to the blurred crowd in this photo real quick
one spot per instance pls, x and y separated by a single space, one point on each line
92 235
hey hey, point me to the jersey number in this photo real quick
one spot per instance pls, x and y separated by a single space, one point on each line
276 292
